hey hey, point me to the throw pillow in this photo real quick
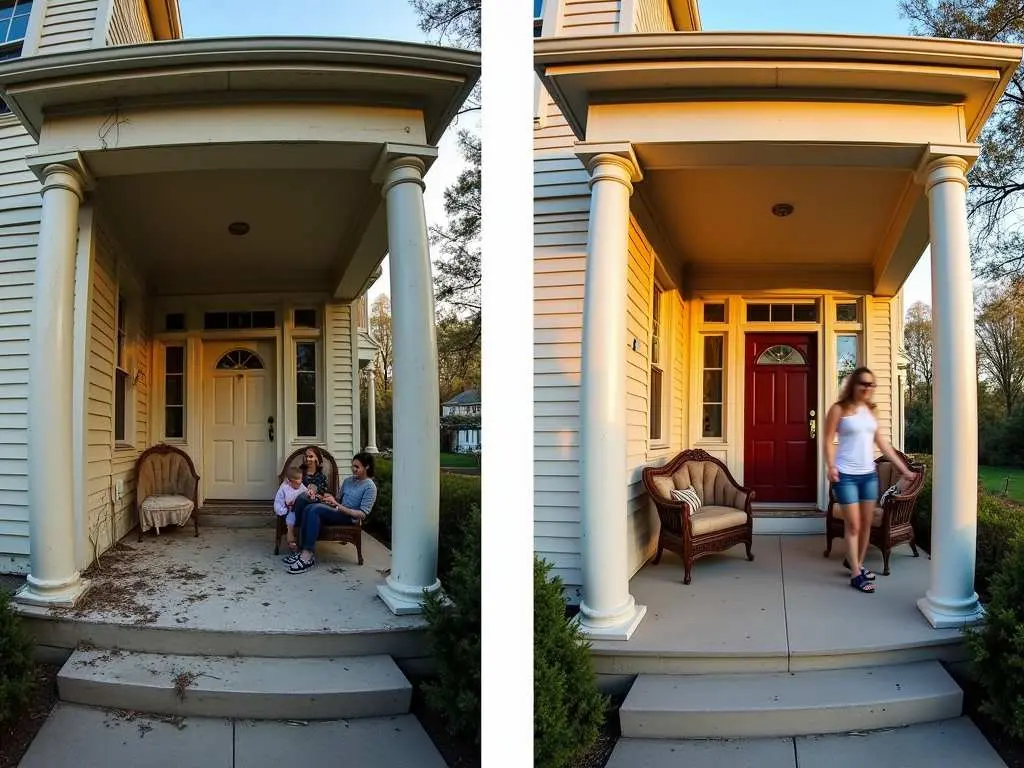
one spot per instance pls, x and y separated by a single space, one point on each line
892 490
689 496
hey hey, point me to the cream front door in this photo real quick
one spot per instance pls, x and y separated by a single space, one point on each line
239 454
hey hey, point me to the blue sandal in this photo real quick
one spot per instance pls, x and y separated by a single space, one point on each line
861 584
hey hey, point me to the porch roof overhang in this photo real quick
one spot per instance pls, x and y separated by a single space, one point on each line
427 78
723 126
290 134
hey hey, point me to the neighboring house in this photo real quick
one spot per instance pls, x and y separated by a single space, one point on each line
464 428
185 254
723 224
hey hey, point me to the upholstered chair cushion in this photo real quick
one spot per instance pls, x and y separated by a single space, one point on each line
162 511
664 485
165 474
712 518
711 484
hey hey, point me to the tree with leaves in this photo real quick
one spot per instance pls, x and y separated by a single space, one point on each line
1000 331
997 179
917 344
380 329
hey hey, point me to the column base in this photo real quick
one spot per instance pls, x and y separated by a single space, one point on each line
621 627
402 599
64 595
371 449
949 616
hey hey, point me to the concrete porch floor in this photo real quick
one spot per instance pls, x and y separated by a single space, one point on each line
226 593
791 609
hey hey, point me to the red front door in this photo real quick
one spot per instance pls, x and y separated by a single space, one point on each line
780 457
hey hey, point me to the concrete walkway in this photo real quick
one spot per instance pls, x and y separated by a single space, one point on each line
83 737
946 744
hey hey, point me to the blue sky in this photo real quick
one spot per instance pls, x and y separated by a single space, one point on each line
382 19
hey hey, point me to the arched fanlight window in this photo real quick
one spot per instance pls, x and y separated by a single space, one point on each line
781 354
240 360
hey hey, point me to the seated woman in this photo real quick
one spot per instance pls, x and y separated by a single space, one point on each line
358 493
315 481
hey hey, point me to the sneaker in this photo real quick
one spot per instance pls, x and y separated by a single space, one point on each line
300 566
289 559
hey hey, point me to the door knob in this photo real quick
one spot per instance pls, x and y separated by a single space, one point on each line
270 428
814 425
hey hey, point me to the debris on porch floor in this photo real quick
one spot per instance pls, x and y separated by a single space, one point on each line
229 579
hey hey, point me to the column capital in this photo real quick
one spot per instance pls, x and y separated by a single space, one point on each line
415 159
613 160
941 163
62 169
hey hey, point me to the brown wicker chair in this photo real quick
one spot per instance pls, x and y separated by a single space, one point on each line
723 520
166 488
892 524
346 534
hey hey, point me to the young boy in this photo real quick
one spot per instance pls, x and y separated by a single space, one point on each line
290 489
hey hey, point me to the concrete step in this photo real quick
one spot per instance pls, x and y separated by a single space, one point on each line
236 687
789 703
947 743
237 516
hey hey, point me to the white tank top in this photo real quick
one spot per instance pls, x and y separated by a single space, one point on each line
855 454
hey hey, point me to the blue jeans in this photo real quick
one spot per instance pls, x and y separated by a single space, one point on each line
855 488
315 515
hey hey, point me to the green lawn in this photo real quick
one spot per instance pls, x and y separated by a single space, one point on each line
994 478
458 460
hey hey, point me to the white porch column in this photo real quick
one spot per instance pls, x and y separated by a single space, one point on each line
371 410
54 579
607 611
416 402
951 600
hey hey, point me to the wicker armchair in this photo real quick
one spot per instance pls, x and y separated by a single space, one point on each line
723 520
893 523
166 489
346 534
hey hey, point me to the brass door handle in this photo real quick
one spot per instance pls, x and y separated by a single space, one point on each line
270 428
814 425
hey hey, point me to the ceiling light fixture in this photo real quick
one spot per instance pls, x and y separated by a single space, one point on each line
782 209
238 228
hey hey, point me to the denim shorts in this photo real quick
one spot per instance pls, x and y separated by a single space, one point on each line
854 488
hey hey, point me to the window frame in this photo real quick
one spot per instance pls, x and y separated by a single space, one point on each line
657 365
123 398
704 368
183 406
318 392
11 49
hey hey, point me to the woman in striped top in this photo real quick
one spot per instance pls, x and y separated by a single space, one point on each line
357 495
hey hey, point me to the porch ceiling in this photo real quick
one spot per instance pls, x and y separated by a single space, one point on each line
175 226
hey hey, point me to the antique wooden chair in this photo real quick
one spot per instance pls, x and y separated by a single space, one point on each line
166 489
893 522
723 520
346 534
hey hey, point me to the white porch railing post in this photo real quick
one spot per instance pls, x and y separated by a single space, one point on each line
951 600
371 409
53 577
416 403
608 610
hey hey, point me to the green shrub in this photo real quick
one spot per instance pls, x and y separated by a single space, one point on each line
454 636
1000 528
997 647
568 710
459 494
922 520
16 661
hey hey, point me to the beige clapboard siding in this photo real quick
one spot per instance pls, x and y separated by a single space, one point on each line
561 214
652 16
553 133
68 25
105 465
880 351
129 23
341 429
19 233
590 17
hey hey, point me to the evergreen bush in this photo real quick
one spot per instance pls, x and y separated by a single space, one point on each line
16 661
568 709
997 647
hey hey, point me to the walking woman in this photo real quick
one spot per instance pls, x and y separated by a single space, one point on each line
851 468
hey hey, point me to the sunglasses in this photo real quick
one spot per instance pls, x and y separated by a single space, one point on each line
866 384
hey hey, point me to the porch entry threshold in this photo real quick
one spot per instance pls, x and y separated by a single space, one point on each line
784 509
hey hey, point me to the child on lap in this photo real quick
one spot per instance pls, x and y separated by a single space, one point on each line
284 501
